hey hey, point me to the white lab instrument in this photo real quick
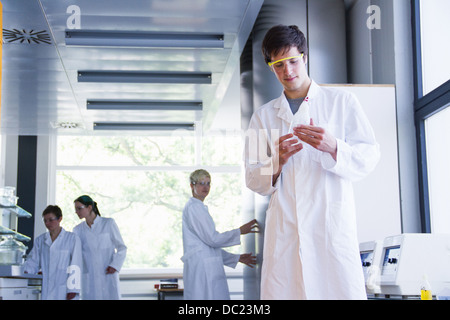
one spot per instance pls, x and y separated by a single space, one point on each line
14 285
407 258
371 253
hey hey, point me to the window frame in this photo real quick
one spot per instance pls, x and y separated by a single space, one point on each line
425 106
151 271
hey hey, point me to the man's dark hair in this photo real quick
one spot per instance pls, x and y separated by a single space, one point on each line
281 38
53 209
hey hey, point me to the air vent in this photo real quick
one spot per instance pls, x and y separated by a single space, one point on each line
26 37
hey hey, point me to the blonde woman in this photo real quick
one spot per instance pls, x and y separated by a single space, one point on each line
203 274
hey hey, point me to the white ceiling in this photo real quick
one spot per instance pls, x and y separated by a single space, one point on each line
40 86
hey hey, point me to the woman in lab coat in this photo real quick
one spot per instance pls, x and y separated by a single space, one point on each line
310 240
57 253
203 274
103 252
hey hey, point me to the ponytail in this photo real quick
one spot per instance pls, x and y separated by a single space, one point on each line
87 201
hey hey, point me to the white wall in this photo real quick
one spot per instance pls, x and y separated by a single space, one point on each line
384 56
377 198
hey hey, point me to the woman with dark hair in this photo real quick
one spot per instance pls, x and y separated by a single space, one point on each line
103 251
57 253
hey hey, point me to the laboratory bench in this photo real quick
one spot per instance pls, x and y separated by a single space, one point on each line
15 285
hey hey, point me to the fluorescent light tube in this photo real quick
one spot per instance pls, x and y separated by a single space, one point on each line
98 38
187 105
143 126
145 77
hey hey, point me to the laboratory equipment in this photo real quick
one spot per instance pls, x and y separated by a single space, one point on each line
14 284
425 289
12 252
371 252
408 258
18 289
8 197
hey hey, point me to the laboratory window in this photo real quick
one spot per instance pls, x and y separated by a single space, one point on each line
143 183
432 114
438 170
435 32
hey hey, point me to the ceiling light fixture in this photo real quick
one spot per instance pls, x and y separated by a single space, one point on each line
188 105
145 77
142 126
98 38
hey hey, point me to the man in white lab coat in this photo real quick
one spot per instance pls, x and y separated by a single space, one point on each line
310 242
203 274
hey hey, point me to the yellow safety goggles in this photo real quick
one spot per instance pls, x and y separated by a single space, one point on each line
288 58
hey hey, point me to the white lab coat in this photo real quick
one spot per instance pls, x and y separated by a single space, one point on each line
54 259
203 274
310 241
102 246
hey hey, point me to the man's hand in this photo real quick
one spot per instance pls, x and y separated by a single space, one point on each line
285 147
318 138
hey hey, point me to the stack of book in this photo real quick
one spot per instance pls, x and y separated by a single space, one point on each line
168 284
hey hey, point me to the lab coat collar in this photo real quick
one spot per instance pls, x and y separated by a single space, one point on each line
284 112
282 104
195 199
94 223
48 239
314 89
199 201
